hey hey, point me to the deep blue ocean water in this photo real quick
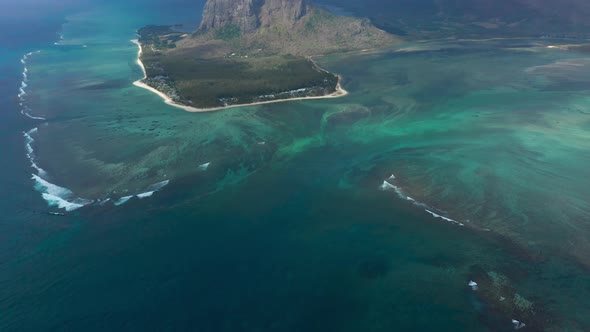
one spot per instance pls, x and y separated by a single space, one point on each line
287 229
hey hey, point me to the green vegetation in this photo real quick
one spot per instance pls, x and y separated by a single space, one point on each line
190 77
318 18
160 36
228 32
243 54
220 82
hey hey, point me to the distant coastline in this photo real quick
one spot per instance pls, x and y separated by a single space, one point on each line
340 92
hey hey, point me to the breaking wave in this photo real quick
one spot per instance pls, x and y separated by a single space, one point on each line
63 198
388 185
152 189
31 153
22 91
204 167
145 194
123 200
58 196
53 194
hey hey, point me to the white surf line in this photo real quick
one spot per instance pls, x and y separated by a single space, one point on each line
150 191
444 218
22 91
58 196
122 200
340 92
387 185
204 166
53 194
31 153
518 324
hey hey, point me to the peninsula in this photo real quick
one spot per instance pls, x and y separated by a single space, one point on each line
249 52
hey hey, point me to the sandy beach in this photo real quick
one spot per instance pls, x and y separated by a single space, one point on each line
340 92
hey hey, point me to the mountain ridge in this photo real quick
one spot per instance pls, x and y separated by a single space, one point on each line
250 15
283 27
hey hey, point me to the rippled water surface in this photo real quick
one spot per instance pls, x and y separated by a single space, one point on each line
447 163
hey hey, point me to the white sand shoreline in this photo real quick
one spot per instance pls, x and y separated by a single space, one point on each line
340 92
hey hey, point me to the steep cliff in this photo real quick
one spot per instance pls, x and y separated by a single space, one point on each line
250 15
253 51
270 27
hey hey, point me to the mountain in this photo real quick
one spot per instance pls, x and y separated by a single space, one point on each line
253 51
294 27
250 15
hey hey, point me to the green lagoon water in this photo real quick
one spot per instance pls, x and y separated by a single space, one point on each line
277 217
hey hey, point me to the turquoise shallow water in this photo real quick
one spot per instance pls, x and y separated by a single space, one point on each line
277 217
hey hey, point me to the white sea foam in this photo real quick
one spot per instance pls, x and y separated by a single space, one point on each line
152 189
443 217
388 185
157 186
30 151
31 116
22 89
61 203
123 200
517 324
104 201
53 194
34 117
50 188
145 195
58 196
204 167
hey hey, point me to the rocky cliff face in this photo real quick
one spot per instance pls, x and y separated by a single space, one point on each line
282 12
271 27
250 15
